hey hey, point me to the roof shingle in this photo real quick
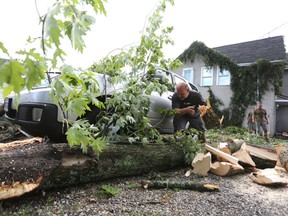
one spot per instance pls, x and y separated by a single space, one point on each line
272 49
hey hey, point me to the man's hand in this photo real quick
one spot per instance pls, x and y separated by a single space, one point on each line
190 110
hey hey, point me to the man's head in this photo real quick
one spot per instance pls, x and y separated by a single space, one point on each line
260 105
182 90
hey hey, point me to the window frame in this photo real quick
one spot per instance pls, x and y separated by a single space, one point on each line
228 76
191 69
211 76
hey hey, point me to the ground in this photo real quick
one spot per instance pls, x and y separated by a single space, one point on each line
238 195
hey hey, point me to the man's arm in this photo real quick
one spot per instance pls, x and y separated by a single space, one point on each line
253 116
187 110
266 117
202 101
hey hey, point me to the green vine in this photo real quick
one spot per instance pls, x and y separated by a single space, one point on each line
215 102
255 77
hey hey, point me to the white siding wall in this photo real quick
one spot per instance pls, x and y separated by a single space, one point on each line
1 96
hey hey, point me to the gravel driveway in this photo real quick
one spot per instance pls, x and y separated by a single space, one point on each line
238 195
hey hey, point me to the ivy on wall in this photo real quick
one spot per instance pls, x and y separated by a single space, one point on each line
248 83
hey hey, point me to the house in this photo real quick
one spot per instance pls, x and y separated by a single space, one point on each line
242 67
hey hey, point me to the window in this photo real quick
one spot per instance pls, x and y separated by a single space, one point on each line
188 74
163 76
206 76
223 77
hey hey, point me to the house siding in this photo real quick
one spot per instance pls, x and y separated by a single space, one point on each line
285 84
282 109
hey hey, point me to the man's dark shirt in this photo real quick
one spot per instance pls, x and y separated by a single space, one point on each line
260 114
194 98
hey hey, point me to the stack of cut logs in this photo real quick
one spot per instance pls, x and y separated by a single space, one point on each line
267 165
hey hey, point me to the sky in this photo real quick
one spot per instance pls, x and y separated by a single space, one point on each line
215 23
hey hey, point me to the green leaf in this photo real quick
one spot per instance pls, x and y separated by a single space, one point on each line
4 50
12 73
98 6
52 31
79 28
78 105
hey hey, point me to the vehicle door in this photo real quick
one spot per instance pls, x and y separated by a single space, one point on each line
161 104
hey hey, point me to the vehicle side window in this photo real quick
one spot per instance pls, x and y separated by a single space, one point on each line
164 77
178 79
193 87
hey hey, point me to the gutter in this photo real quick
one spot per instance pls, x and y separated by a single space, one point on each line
250 63
281 103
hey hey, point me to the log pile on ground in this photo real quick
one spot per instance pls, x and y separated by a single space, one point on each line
265 165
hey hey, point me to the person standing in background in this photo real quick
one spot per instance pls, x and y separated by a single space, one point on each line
261 120
249 120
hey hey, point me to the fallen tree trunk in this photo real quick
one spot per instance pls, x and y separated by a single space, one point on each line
57 165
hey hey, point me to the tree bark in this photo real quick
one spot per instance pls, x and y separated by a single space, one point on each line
191 185
283 157
58 165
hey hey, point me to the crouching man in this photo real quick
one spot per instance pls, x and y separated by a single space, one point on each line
185 103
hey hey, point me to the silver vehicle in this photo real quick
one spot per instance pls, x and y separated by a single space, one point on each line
38 115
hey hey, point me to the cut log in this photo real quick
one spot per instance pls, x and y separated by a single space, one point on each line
223 146
269 176
201 164
234 144
244 157
59 165
187 185
283 158
225 168
264 157
222 155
